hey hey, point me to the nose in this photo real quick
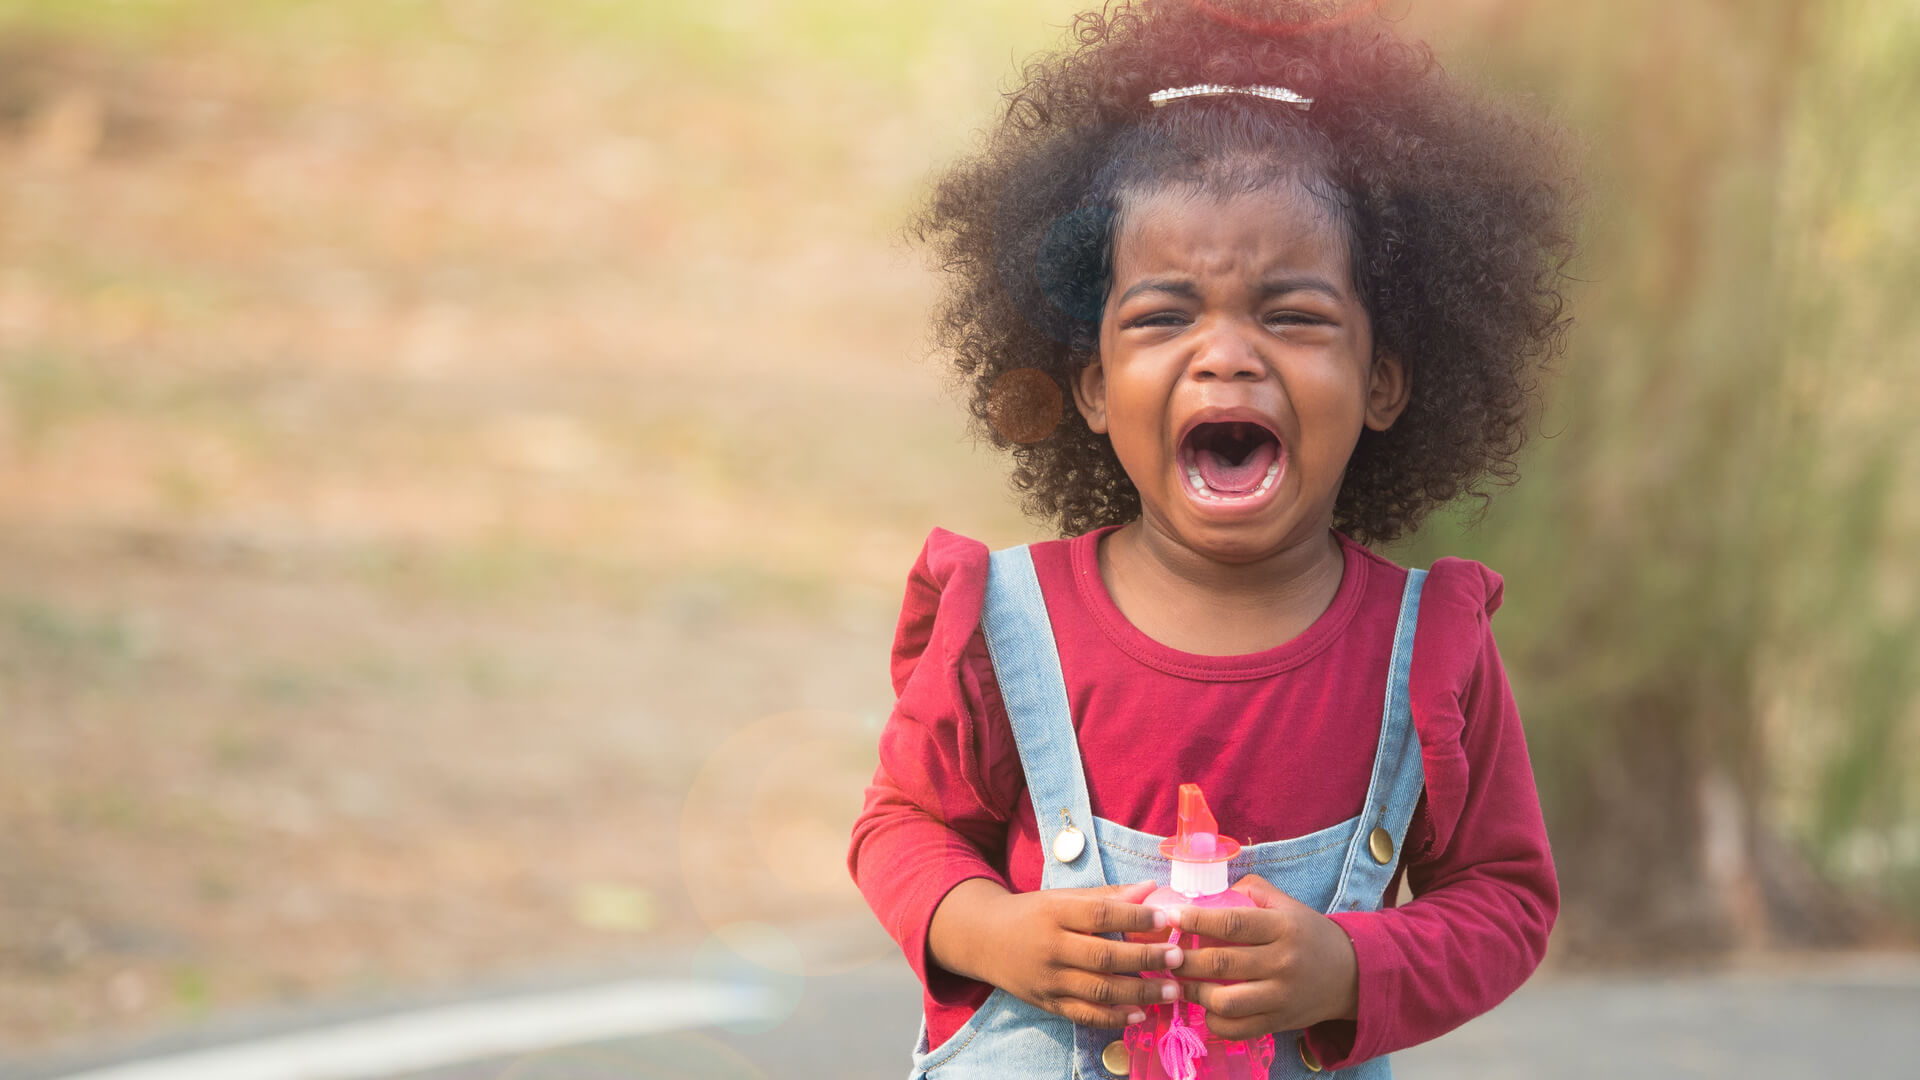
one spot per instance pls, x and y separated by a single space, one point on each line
1225 355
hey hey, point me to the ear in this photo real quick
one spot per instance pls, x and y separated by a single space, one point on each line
1388 389
1090 394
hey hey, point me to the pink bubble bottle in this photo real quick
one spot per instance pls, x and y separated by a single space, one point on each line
1173 1042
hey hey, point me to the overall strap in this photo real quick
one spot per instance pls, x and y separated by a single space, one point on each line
1398 776
1026 664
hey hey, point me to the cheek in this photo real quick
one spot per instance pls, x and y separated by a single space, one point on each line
1332 406
1135 418
1134 436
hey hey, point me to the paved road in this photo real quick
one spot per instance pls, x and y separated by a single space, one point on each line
1856 1017
1842 1021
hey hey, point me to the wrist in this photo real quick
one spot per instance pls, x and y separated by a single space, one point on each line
1344 966
960 926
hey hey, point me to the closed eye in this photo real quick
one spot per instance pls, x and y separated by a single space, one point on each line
1297 318
1158 318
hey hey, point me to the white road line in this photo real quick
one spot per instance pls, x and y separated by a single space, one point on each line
450 1034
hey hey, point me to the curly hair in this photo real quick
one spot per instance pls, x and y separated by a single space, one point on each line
1457 211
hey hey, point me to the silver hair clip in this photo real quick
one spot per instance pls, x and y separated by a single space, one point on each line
1271 93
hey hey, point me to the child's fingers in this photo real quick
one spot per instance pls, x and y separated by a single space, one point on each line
1236 965
1088 1014
1239 925
1246 1027
1236 1001
1123 992
1238 1011
1126 894
1107 1001
1099 915
1086 953
1262 892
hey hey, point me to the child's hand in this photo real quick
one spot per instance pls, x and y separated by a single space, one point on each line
1041 948
1291 967
1049 956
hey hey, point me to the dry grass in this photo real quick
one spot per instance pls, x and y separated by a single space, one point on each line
436 458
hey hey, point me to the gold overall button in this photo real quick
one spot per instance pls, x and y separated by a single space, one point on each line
1068 844
1114 1057
1381 844
1306 1056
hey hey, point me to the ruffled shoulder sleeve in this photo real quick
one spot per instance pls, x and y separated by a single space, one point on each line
941 609
1451 646
949 719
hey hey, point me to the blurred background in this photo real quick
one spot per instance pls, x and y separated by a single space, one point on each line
459 460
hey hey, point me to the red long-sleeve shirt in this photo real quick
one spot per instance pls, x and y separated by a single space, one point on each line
1282 741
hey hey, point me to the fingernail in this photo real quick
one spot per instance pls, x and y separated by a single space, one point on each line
1136 1017
1170 991
1173 958
1160 919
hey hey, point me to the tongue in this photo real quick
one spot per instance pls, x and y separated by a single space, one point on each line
1220 475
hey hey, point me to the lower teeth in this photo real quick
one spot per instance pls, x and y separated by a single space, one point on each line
1200 484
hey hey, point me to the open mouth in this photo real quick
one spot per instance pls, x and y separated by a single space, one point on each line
1230 461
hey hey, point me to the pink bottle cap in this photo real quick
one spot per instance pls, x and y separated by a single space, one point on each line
1198 839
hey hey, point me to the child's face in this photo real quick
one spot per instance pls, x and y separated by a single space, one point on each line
1235 369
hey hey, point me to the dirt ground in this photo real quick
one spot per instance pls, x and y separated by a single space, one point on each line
230 785
453 501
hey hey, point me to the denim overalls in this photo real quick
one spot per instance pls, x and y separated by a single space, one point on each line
1345 867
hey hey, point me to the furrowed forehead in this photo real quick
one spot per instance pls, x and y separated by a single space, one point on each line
1308 207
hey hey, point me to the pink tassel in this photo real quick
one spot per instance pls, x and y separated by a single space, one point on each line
1182 1046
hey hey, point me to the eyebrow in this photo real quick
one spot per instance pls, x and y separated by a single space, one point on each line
1180 287
1281 286
1187 290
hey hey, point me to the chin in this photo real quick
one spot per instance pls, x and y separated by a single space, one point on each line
1234 543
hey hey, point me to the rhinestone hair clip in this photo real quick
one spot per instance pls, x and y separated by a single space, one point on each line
1271 93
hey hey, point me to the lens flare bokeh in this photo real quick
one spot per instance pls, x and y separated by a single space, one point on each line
764 831
1025 405
761 960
